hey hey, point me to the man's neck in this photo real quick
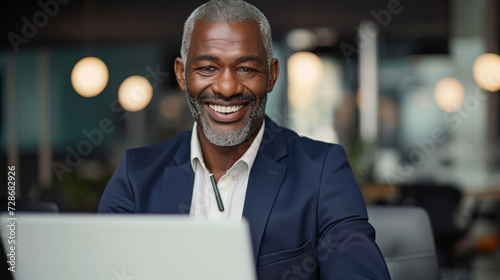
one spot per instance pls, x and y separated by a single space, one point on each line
219 159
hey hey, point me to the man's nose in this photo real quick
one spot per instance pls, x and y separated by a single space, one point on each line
227 84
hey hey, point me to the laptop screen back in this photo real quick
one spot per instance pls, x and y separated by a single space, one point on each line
126 247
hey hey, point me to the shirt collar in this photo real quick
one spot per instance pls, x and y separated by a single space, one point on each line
248 157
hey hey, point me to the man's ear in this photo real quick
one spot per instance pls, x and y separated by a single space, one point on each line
179 73
274 70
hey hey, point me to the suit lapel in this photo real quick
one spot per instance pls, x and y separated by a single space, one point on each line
177 189
177 183
264 183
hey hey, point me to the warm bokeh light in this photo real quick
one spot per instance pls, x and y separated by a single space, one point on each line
449 94
486 71
305 69
135 93
305 72
301 98
301 39
326 36
89 76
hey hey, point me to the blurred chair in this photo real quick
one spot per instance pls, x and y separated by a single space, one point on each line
404 236
28 205
441 203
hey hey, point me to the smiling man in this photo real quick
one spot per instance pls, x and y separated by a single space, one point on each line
306 213
226 75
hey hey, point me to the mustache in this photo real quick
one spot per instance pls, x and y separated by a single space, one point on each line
217 96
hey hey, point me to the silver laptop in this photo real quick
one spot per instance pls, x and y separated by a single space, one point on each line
127 247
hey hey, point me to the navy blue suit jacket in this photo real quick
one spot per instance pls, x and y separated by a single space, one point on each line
306 213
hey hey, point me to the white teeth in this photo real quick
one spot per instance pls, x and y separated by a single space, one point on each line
225 109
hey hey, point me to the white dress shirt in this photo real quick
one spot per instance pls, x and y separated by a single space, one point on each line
232 185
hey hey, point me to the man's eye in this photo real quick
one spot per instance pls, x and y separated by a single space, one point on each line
246 69
207 69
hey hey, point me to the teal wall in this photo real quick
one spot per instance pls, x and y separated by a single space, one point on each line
70 112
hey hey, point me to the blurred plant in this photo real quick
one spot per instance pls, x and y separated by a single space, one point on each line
361 156
84 194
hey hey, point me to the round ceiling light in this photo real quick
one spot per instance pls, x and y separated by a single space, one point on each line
89 76
486 71
449 94
135 93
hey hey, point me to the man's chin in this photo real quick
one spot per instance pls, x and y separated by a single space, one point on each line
225 128
225 134
230 127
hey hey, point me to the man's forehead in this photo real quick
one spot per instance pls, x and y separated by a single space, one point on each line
227 37
233 29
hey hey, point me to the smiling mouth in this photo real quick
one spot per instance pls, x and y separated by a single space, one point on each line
225 109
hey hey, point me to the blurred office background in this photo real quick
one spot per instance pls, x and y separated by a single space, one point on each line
409 88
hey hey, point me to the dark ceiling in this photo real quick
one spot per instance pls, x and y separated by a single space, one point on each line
81 22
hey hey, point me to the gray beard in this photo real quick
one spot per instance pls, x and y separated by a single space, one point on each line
226 138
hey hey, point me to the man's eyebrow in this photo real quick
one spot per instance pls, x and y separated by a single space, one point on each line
206 57
249 58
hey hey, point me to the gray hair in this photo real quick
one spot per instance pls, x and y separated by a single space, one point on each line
227 11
